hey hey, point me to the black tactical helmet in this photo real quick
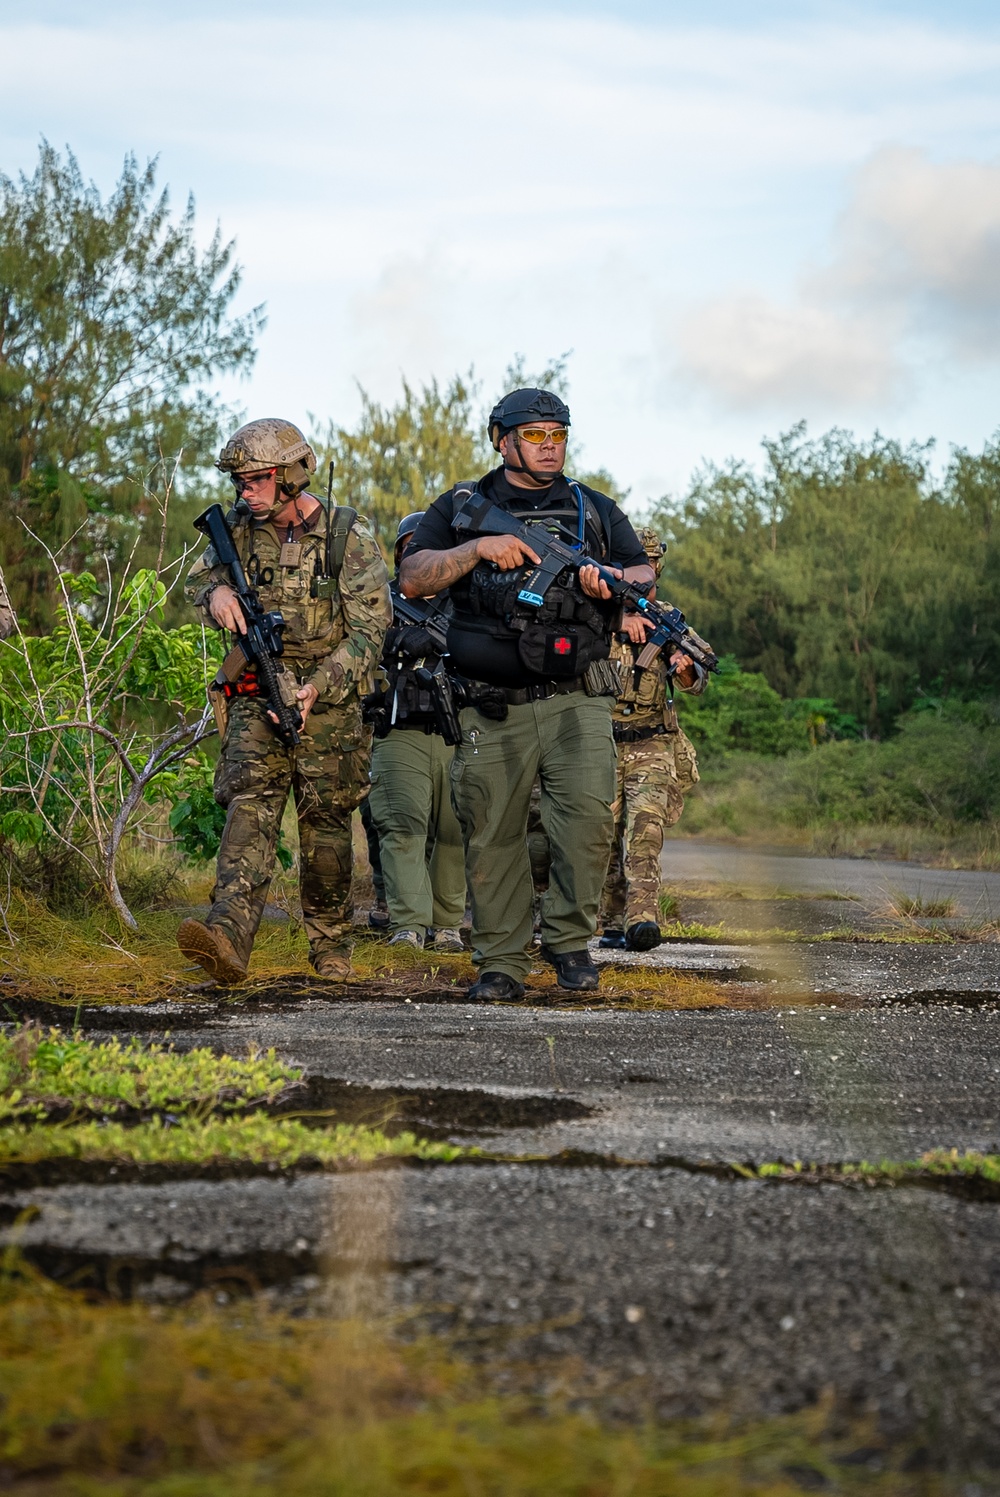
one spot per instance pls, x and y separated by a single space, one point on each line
404 530
408 525
522 406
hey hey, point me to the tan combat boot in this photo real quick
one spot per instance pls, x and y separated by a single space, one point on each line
211 949
335 966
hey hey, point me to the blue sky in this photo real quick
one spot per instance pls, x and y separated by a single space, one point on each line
736 215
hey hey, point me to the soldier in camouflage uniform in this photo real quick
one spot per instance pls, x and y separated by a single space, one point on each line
656 766
335 621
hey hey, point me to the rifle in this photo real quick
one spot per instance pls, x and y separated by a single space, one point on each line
379 709
479 514
262 644
420 611
448 694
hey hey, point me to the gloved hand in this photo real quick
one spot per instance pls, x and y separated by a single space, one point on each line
414 641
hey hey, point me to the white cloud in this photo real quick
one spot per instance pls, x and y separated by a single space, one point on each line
925 235
413 201
915 256
750 351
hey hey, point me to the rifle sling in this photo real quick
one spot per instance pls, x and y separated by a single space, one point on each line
336 537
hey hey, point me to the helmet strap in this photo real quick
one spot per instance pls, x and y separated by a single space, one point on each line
540 480
280 497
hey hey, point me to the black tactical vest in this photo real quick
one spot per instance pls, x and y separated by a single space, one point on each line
496 638
411 703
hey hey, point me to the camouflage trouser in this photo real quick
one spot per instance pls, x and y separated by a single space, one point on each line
328 775
647 801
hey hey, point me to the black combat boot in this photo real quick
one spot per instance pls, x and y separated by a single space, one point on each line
378 916
612 940
495 987
643 937
574 969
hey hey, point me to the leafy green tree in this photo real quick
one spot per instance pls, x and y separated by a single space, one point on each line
113 325
400 457
840 572
967 595
94 716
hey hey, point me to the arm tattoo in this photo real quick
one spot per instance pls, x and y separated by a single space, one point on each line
430 572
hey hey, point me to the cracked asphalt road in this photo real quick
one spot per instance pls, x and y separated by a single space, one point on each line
676 1292
822 1084
678 1295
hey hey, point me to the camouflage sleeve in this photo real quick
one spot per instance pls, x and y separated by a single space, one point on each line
366 605
7 619
698 684
203 576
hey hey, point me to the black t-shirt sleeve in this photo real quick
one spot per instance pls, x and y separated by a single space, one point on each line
626 548
434 533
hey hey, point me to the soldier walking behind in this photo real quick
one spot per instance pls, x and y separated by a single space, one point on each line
420 841
656 765
557 719
325 574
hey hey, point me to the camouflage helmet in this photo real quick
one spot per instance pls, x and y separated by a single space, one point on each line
653 547
270 443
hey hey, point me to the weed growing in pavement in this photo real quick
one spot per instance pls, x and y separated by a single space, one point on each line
911 907
207 1142
668 907
935 1163
245 1400
41 1067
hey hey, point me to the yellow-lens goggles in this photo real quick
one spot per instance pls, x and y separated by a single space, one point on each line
536 436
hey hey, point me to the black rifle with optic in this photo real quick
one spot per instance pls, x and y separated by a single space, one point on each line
421 613
262 644
448 694
479 515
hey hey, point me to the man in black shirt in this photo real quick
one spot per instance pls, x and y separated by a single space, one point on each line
549 664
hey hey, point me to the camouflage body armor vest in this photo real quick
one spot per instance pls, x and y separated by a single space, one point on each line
291 577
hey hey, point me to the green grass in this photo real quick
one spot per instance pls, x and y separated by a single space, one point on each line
242 1400
39 1068
212 1141
936 1163
912 907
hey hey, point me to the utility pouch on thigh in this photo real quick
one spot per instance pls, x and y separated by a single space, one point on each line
685 762
602 679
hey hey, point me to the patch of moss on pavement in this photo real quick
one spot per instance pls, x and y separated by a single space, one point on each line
40 1068
936 1164
246 1400
198 1142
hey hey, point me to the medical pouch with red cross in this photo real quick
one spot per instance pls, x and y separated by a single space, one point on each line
558 651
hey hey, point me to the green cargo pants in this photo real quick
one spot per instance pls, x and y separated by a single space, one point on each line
411 806
328 775
566 741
